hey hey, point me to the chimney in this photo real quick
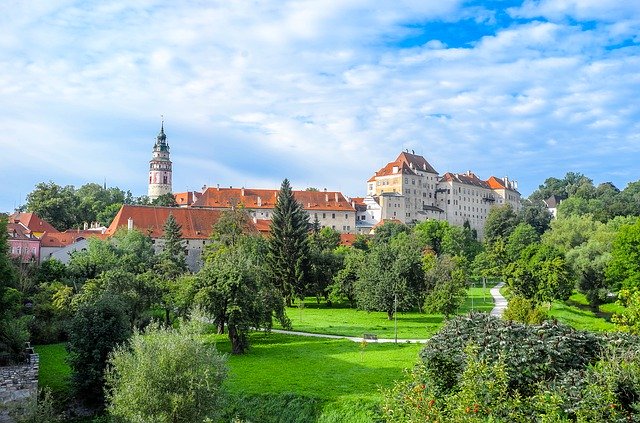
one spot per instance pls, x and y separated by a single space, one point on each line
395 169
218 187
242 191
326 196
336 194
468 173
259 201
506 182
255 220
85 226
204 188
130 223
325 190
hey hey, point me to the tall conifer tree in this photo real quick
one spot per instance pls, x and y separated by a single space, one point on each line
172 263
288 248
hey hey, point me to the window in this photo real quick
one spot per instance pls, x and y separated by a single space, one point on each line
406 180
324 215
346 215
333 215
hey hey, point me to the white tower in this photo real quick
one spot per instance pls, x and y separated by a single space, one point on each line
160 167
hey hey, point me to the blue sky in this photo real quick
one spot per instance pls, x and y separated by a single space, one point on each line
321 92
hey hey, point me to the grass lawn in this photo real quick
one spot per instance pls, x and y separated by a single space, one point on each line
54 371
576 313
341 320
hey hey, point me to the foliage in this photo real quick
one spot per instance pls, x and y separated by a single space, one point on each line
165 375
540 273
96 328
524 310
288 246
501 221
65 207
388 230
391 277
231 226
446 286
344 280
172 263
233 288
165 200
569 232
536 215
324 262
629 319
623 270
35 409
522 236
589 262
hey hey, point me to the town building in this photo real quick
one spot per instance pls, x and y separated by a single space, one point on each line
160 172
196 226
330 208
410 190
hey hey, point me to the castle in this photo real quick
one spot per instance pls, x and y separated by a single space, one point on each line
407 190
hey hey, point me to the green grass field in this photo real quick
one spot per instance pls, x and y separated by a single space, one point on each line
54 371
576 313
341 320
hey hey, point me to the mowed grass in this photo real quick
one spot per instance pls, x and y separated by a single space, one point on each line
54 372
326 369
576 313
339 319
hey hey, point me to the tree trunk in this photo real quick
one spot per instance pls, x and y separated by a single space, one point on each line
390 315
167 316
220 325
287 300
236 341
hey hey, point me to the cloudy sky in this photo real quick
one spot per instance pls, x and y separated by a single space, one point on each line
321 92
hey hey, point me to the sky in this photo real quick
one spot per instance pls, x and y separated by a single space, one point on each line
323 93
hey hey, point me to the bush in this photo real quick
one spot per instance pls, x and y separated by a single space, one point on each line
524 310
95 330
13 336
571 375
165 375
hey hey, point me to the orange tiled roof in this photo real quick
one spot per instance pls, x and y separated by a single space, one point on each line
186 198
62 239
347 239
383 221
401 168
33 222
416 162
468 178
262 225
196 223
252 198
19 231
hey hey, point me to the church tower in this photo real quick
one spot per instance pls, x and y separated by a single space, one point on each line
160 167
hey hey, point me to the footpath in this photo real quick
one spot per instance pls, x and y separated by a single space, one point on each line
499 301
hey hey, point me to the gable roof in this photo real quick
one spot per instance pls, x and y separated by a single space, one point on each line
195 223
252 198
186 198
33 222
553 201
468 178
415 161
62 239
498 183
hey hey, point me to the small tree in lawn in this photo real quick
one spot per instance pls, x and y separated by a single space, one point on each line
390 278
172 262
165 375
446 285
288 246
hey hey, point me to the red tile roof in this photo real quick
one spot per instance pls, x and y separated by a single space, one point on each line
383 221
62 239
19 231
262 225
196 223
468 178
266 199
187 198
33 222
405 164
347 239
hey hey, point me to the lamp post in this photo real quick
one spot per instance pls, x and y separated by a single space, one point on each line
395 315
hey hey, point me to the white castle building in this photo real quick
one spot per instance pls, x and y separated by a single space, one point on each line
410 190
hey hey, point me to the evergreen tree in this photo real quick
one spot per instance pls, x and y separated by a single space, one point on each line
172 263
288 247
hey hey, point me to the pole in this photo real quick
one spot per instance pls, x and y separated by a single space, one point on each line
395 314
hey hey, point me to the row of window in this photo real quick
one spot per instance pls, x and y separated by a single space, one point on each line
26 250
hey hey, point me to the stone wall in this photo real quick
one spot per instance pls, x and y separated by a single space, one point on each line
18 383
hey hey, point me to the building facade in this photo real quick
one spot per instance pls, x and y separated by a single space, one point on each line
160 171
330 208
410 190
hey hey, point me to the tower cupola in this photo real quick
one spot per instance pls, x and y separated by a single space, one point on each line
160 172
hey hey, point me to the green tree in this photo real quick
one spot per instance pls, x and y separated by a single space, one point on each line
165 375
288 245
96 328
569 232
344 280
589 262
324 263
446 285
522 236
623 270
235 290
388 230
231 226
54 204
391 278
172 263
537 215
165 200
540 273
501 221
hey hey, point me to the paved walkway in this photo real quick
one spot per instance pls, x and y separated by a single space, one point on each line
350 338
499 300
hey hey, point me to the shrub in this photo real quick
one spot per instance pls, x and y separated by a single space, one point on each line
95 329
524 310
165 375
